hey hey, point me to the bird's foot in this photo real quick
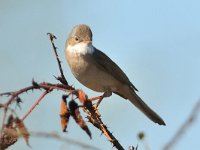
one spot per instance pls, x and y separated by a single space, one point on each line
100 98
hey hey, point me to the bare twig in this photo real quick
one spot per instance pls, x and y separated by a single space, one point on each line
189 121
35 104
62 79
5 94
43 85
64 139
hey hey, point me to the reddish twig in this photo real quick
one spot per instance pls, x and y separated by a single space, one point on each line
35 104
95 98
43 85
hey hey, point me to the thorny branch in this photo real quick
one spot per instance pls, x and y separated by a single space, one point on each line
62 78
92 113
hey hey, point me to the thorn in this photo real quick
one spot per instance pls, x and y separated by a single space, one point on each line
18 101
112 144
51 36
58 78
101 133
35 84
64 130
65 96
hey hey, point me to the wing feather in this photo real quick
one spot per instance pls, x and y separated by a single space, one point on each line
107 65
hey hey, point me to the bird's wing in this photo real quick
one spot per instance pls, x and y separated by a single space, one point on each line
107 65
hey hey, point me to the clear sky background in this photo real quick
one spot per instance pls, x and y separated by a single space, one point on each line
156 43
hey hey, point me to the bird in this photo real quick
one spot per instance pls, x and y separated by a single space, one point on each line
95 70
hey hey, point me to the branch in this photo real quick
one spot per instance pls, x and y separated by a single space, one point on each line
94 118
185 126
35 86
62 79
35 104
64 139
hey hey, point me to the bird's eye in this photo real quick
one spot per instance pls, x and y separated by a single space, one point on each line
76 38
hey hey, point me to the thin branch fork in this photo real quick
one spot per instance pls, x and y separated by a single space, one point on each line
35 86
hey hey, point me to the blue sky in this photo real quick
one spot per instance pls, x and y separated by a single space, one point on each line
156 43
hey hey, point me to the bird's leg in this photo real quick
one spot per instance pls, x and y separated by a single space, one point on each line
100 98
95 98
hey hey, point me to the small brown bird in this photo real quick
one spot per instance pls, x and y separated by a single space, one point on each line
97 71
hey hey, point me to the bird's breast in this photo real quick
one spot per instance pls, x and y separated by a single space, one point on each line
86 72
77 63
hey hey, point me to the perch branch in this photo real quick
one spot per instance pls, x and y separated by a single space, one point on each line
94 118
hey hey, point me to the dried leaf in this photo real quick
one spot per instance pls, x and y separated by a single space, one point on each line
10 121
82 96
84 100
64 113
75 113
22 130
8 137
9 134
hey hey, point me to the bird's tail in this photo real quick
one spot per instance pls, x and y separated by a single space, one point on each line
140 104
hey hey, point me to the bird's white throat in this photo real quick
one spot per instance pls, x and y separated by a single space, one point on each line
81 48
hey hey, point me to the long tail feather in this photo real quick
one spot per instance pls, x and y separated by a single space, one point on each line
140 104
